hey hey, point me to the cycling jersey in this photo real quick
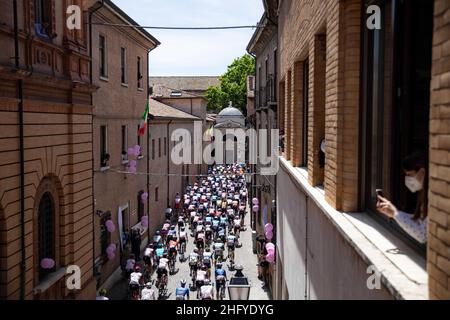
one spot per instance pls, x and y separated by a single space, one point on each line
173 244
231 241
148 294
183 235
220 273
159 252
135 277
181 292
193 258
163 263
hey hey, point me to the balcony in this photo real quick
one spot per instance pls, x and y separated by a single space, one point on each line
266 96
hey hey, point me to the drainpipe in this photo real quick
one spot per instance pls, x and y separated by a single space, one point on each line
168 162
148 147
91 13
22 154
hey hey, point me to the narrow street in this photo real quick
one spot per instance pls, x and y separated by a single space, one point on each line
244 256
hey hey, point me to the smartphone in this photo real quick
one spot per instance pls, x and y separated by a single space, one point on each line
379 192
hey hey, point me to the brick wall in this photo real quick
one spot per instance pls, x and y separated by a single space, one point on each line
439 186
333 91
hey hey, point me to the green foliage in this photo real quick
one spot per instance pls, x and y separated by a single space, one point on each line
233 85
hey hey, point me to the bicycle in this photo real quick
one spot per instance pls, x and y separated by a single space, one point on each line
221 290
162 286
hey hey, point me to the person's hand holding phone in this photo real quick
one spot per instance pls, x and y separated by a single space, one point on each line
385 207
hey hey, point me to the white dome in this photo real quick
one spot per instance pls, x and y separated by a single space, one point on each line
230 112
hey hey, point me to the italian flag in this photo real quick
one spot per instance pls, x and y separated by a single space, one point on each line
143 124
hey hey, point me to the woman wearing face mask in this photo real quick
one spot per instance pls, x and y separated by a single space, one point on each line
415 180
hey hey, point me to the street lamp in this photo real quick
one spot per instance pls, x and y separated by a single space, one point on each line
239 287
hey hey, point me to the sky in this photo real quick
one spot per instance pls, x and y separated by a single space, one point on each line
200 53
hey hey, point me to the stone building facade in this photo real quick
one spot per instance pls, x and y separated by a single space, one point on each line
354 101
120 58
46 205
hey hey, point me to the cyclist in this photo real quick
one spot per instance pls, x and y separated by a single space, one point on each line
162 269
181 293
237 226
180 222
218 250
171 234
207 290
136 280
200 280
148 258
148 293
222 234
221 278
231 244
156 239
207 258
168 213
183 238
173 247
193 261
159 252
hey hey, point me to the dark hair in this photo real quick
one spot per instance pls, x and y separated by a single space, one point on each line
415 162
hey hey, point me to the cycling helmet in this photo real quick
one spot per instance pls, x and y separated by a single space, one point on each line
219 265
195 250
157 233
172 227
137 269
207 282
183 282
148 285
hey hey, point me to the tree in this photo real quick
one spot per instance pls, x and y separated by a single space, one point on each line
233 85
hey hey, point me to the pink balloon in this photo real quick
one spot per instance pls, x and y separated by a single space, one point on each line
110 226
132 163
271 250
110 250
47 263
268 227
111 256
137 150
255 201
130 151
270 258
144 197
256 208
270 245
132 169
269 235
113 245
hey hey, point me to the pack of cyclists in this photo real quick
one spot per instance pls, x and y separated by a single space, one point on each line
210 213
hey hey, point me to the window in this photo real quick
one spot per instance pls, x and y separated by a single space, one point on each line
153 149
165 146
103 57
124 143
140 77
105 235
396 93
46 232
156 194
318 98
123 65
159 147
104 156
43 17
305 113
140 205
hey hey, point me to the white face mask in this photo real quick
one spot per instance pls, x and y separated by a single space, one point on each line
413 184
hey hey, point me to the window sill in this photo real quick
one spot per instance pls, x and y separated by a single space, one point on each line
403 271
125 85
141 89
124 162
103 169
105 79
140 157
49 281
